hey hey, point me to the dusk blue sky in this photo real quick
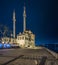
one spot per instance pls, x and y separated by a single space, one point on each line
42 17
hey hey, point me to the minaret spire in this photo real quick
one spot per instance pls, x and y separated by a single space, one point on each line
14 20
24 19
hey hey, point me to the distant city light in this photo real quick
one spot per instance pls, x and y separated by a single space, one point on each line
1 45
6 45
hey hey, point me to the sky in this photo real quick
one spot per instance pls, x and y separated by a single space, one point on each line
42 17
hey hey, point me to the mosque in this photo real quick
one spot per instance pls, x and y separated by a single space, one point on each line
26 39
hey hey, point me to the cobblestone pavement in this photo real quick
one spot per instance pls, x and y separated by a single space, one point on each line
27 57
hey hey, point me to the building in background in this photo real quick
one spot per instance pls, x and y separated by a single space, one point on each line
26 39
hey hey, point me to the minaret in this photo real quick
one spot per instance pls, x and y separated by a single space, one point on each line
14 20
24 19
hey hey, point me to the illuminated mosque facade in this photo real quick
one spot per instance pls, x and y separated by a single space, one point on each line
26 39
